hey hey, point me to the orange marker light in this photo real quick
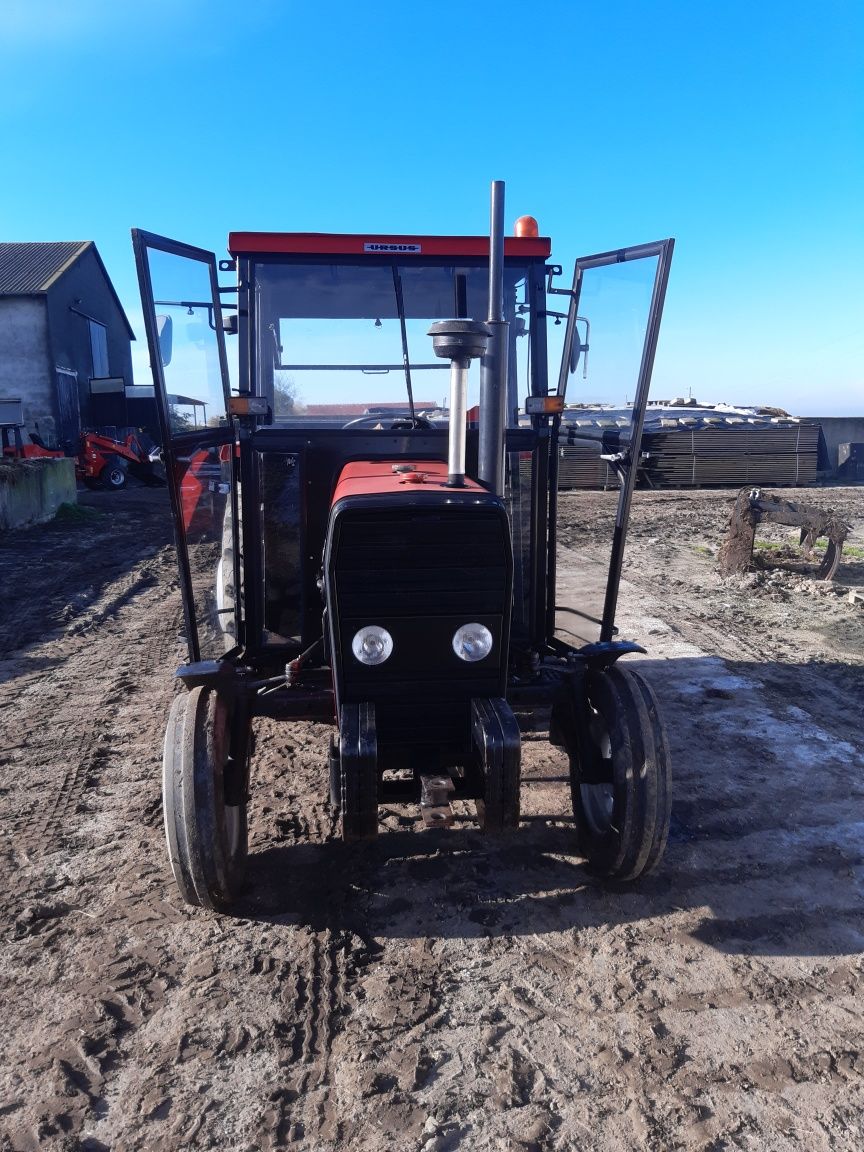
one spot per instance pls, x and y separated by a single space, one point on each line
526 226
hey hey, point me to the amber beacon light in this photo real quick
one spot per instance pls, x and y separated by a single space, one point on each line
526 226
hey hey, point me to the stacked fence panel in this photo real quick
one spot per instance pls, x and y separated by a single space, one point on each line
707 454
580 466
732 455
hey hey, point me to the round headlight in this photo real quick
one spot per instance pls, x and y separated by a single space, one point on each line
472 642
372 644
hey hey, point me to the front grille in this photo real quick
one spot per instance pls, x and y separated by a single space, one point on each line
454 555
420 572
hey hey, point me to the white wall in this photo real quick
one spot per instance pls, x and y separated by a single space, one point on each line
25 361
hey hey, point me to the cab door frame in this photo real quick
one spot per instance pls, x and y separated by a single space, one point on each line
628 465
177 446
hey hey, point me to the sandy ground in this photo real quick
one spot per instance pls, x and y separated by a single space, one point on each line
436 991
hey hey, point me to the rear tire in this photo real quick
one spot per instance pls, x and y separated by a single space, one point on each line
620 770
207 838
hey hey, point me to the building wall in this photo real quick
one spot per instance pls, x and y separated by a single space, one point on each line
33 490
84 288
26 369
839 430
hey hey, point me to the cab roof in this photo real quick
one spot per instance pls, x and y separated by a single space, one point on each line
370 244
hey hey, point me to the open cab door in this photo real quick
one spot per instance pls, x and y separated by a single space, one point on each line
613 321
185 336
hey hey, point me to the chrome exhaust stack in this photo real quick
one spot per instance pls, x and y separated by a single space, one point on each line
493 371
460 342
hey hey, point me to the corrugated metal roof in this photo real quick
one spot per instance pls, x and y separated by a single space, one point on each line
27 268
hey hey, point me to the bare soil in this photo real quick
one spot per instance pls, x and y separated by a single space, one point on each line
437 990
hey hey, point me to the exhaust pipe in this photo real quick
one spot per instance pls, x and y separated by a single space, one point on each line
460 342
493 370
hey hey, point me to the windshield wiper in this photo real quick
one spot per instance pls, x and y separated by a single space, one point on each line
397 284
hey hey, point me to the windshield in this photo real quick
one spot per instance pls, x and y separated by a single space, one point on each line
342 341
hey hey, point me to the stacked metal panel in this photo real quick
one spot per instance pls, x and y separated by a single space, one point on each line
731 455
580 466
695 450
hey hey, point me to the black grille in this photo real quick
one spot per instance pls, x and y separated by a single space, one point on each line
420 572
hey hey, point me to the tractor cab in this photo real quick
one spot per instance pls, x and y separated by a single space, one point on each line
364 505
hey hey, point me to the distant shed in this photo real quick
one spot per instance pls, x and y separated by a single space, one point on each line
842 435
62 326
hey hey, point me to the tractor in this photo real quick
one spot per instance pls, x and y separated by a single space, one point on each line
366 531
101 461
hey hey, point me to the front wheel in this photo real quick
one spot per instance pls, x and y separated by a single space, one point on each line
207 837
358 772
620 770
113 476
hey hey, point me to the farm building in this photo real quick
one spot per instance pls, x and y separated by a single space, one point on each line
65 341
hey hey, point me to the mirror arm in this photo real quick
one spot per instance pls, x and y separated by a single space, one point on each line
619 462
555 270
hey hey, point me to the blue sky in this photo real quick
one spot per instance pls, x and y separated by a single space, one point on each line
736 128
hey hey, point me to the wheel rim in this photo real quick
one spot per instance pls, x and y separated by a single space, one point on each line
598 800
232 829
116 477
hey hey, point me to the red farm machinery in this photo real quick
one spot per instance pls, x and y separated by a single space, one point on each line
101 461
355 548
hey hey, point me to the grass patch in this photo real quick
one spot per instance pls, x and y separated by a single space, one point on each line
76 514
850 551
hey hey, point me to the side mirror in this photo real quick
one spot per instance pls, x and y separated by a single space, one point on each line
165 330
575 352
577 347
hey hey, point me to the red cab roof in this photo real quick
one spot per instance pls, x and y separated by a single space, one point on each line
332 244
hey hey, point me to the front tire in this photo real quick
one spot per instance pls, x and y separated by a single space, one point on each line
358 772
620 770
207 838
113 476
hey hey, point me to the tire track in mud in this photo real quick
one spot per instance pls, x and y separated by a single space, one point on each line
434 991
78 700
320 979
80 706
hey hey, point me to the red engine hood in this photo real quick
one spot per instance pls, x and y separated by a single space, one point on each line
372 478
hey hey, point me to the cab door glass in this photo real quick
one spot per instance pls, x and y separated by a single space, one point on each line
610 323
188 343
183 317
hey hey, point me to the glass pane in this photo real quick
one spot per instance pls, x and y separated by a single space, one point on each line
598 420
517 495
182 294
283 591
330 337
204 474
189 352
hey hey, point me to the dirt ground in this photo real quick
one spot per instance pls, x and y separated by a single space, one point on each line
436 990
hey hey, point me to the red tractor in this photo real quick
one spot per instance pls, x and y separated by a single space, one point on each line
103 462
393 573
